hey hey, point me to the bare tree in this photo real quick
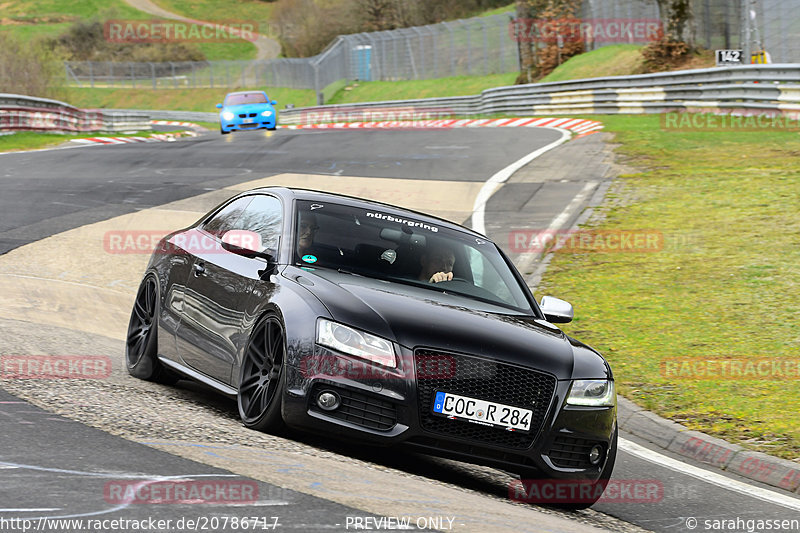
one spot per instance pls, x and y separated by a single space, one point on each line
539 56
677 16
378 15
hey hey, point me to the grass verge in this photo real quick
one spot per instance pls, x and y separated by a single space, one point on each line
613 60
375 91
28 140
175 99
724 287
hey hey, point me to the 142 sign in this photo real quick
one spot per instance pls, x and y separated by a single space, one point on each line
729 57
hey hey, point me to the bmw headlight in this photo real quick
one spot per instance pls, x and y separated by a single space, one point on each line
266 113
592 392
227 115
354 342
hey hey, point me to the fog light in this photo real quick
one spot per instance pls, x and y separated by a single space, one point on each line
328 400
595 455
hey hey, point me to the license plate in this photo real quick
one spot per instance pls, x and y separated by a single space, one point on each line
248 121
482 412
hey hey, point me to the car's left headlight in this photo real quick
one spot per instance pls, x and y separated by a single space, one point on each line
266 113
592 392
227 115
354 342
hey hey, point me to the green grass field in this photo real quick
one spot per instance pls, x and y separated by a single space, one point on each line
31 19
220 10
497 11
375 91
613 60
724 287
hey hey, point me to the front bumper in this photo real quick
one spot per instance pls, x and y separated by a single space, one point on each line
389 407
241 126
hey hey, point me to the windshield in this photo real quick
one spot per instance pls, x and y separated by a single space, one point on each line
402 249
246 98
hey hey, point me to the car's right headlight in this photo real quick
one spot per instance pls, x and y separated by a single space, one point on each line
592 392
354 342
227 115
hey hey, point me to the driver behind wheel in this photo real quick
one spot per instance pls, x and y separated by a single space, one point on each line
437 264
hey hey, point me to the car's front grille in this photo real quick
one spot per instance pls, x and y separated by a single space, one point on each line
360 409
571 452
486 380
245 115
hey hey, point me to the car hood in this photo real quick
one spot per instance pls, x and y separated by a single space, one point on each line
247 108
418 317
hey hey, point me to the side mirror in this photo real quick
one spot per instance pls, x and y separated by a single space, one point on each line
556 311
274 102
219 106
247 244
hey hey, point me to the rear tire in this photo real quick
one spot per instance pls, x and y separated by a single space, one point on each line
141 345
262 379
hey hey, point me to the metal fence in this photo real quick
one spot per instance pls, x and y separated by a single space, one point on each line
477 46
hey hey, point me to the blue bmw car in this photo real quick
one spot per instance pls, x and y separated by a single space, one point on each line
247 110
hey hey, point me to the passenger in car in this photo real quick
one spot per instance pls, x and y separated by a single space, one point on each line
437 264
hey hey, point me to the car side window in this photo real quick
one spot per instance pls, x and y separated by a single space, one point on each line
486 277
227 217
264 215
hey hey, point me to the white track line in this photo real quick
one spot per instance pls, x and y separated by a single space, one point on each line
525 259
708 476
493 183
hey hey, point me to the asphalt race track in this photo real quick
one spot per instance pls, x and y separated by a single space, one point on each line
64 441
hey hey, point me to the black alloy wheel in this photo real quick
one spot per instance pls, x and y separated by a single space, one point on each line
263 376
141 345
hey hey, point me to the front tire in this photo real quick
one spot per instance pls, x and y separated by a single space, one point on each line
223 132
602 481
141 346
262 377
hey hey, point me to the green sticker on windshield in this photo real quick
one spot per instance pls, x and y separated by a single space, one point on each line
310 258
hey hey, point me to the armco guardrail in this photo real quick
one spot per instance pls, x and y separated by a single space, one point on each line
27 113
756 87
181 116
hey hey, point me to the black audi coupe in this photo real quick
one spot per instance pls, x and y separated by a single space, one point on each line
381 325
